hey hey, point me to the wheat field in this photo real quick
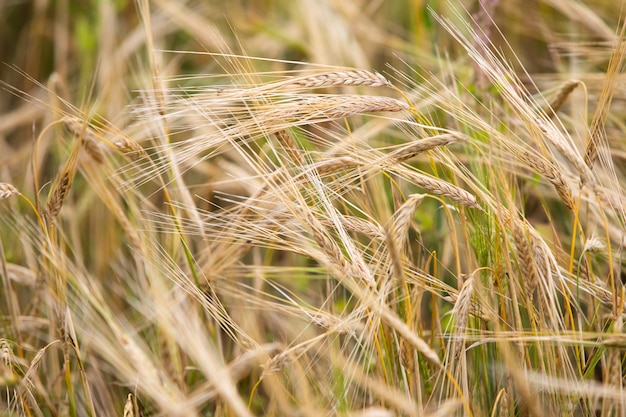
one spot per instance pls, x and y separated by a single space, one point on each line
359 208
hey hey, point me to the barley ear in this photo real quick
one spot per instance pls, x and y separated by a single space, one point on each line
289 145
7 190
130 148
561 96
130 408
338 78
88 138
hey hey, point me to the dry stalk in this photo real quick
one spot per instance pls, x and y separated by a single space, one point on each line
597 132
614 199
551 173
395 258
149 373
614 371
7 190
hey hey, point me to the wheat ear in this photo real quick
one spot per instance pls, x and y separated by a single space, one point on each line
61 186
338 78
551 173
87 137
526 259
331 107
561 96
415 148
286 141
444 188
7 190
461 312
555 137
129 148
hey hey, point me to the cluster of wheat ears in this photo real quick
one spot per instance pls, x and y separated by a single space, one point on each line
323 241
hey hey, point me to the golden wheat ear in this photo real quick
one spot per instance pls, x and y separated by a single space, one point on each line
87 137
7 190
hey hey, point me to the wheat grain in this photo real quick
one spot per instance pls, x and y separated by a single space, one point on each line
278 362
7 190
332 323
